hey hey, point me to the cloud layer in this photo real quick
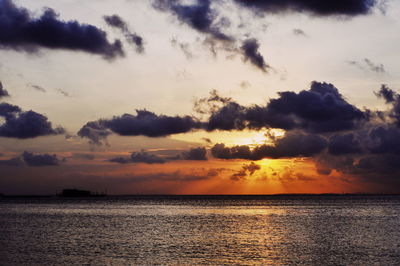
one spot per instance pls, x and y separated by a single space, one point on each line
22 32
250 52
144 123
320 109
319 123
317 8
199 16
292 145
205 18
132 37
30 159
25 124
194 154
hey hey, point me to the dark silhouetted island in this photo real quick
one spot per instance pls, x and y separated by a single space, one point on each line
80 193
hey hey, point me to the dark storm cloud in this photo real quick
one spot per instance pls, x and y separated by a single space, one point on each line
117 22
321 109
371 153
385 139
199 16
3 92
292 145
387 94
23 125
247 169
8 110
204 17
20 31
385 165
369 149
251 53
96 132
137 40
132 37
251 168
35 160
149 124
380 170
344 144
120 160
319 123
220 151
144 123
229 117
317 8
40 159
392 98
144 157
139 157
195 154
364 148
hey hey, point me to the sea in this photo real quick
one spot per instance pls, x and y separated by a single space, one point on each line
201 230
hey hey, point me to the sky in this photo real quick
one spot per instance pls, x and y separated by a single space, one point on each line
200 96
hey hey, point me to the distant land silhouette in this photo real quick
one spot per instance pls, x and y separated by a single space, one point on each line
72 192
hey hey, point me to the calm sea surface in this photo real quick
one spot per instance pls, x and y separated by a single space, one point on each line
240 230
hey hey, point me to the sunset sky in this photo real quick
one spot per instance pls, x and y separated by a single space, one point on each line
200 97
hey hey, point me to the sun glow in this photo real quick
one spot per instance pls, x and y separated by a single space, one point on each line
245 137
253 139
